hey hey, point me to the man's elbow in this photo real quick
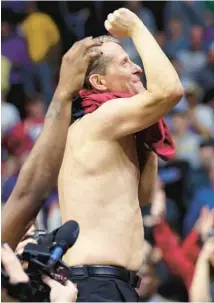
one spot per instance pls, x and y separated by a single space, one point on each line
174 93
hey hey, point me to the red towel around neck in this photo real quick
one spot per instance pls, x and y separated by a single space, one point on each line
157 137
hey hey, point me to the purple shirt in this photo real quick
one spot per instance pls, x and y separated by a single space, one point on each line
208 37
15 6
14 48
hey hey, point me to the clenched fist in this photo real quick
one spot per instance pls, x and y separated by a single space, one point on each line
122 23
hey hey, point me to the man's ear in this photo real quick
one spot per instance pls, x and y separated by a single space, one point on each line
98 82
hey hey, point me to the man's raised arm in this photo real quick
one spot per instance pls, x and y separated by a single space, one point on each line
40 171
126 116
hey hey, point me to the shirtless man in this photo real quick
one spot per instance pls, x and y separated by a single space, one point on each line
40 171
99 176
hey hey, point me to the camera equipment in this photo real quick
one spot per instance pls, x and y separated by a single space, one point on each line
36 235
43 260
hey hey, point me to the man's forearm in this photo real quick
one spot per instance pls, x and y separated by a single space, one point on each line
200 288
160 74
38 174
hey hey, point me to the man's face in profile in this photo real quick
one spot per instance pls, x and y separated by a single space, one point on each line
122 75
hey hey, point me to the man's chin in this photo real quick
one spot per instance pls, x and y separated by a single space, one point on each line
138 87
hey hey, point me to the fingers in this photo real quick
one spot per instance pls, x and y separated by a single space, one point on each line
107 25
111 17
117 14
68 283
92 43
85 44
50 282
66 293
21 245
72 289
93 54
13 266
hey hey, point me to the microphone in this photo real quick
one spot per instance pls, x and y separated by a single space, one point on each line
65 238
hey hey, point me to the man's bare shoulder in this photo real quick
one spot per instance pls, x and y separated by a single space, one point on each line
84 125
81 128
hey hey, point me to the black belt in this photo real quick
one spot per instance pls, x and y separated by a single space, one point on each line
85 271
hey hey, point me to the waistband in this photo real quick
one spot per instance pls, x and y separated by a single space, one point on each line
105 271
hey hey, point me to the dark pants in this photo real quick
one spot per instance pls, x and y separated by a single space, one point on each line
105 288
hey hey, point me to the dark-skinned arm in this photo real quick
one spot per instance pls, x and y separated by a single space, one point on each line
40 171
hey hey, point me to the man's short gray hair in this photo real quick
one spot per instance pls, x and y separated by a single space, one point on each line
98 64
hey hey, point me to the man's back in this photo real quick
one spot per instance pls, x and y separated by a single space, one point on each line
98 187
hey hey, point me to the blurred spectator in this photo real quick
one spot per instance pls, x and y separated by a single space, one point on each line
15 6
50 214
11 169
161 38
5 75
176 41
170 208
19 141
43 40
210 6
179 256
182 106
208 103
148 19
208 36
204 196
148 288
14 48
175 254
179 69
143 13
49 217
202 288
205 76
9 117
200 175
23 135
193 59
99 9
200 115
76 21
9 113
192 13
186 141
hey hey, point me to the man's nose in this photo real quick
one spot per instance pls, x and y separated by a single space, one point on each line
137 69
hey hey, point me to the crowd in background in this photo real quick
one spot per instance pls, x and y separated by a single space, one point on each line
179 249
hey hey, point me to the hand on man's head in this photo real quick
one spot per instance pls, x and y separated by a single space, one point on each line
74 66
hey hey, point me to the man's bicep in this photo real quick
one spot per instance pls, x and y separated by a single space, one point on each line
121 117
